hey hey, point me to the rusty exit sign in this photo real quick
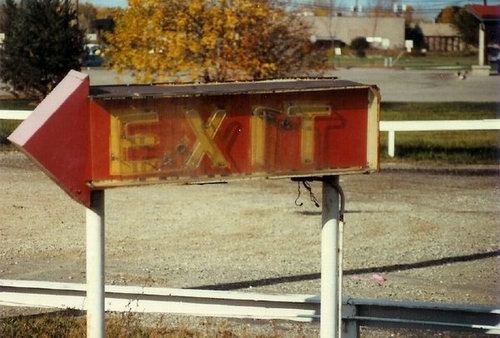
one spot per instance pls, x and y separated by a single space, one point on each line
89 138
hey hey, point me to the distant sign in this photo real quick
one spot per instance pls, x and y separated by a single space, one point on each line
129 135
92 37
408 45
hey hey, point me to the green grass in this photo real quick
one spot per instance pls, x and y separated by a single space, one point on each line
16 104
453 147
6 128
431 61
395 111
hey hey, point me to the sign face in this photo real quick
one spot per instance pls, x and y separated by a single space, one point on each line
186 133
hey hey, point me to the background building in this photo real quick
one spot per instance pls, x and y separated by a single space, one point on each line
382 32
441 37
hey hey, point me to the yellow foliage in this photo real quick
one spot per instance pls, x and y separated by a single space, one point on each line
447 15
207 40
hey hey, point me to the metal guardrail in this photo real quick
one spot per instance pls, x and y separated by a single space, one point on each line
438 125
232 304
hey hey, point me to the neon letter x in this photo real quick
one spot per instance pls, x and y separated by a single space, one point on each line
205 134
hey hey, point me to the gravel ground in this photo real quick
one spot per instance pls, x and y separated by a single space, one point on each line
433 235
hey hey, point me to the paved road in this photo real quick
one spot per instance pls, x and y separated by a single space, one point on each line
395 85
426 86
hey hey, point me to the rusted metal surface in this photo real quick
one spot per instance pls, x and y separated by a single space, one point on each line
226 88
127 135
194 138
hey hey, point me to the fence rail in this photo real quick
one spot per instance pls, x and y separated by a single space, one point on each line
438 125
14 114
232 304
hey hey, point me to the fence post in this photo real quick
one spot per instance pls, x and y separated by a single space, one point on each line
391 143
350 326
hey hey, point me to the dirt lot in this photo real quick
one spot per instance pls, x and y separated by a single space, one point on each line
433 235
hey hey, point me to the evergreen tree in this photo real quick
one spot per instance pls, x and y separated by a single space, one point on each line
42 43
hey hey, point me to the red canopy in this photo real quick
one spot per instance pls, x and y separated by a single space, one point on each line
484 13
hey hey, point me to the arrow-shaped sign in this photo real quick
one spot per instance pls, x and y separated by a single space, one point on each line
57 136
95 138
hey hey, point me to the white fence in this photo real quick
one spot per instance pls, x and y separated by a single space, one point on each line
387 126
439 125
14 114
234 304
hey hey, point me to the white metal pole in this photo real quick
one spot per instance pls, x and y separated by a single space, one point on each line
95 265
340 272
329 265
391 143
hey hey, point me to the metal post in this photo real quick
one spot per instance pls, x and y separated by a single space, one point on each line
95 265
391 143
329 324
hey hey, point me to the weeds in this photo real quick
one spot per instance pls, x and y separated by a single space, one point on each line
58 324
72 324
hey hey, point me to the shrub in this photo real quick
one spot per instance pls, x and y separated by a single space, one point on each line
360 45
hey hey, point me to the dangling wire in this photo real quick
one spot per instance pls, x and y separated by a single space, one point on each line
312 197
298 195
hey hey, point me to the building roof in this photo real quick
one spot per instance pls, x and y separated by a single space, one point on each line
484 13
346 28
438 29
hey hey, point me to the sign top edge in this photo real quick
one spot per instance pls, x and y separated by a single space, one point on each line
223 88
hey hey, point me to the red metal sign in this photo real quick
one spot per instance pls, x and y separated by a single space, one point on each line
129 135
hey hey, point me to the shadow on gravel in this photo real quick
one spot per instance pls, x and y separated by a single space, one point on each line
446 171
317 213
376 269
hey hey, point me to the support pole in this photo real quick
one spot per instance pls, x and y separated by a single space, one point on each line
329 322
95 265
481 44
391 143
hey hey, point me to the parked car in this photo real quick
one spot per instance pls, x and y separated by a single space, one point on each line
493 55
93 55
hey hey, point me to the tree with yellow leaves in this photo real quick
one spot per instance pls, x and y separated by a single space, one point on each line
208 40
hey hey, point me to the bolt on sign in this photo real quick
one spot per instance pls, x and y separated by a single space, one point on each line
88 138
